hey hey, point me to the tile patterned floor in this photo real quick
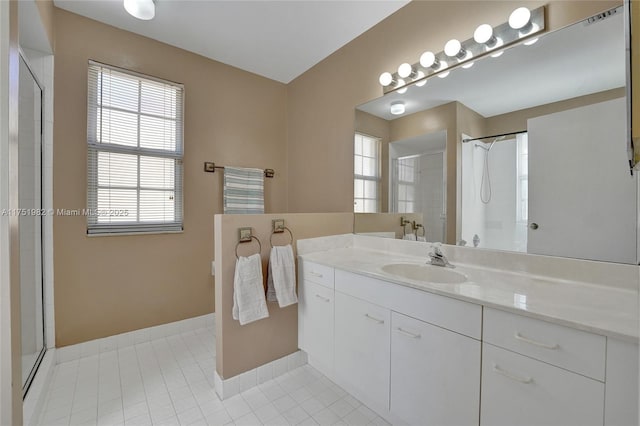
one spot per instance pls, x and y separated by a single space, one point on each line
169 381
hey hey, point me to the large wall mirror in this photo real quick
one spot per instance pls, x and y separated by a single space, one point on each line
526 150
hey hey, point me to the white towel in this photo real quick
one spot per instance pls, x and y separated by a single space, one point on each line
424 239
281 281
410 237
249 303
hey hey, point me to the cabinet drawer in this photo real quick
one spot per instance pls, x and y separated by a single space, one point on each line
520 391
456 315
319 274
562 346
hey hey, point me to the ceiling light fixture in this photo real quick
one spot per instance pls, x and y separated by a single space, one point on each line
141 9
397 108
530 42
523 26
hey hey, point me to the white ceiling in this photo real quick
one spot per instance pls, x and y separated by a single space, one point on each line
276 39
575 61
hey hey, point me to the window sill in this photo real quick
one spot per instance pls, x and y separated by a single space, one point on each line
133 233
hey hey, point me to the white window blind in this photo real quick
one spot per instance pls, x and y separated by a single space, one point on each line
367 172
135 148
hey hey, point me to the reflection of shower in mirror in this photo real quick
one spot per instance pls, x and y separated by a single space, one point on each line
486 177
494 193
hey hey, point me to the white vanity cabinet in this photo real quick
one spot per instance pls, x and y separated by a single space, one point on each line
316 314
405 351
538 373
435 374
362 347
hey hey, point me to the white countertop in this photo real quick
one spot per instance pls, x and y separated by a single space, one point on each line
604 310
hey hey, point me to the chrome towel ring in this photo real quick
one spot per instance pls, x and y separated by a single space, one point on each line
249 240
280 232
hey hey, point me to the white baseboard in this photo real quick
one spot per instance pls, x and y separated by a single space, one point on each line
226 388
106 344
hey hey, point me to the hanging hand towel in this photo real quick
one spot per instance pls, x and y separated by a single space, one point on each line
423 239
281 281
410 237
248 292
243 190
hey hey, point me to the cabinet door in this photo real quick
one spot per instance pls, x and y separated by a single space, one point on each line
315 324
362 347
621 402
435 374
518 391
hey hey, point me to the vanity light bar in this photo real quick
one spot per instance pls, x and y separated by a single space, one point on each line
463 53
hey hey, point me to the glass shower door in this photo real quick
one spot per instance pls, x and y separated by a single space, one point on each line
30 223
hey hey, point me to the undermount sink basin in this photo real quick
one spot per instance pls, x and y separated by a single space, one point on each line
426 273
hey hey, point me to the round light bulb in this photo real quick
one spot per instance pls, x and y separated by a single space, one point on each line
428 59
141 9
519 18
452 48
405 70
401 83
385 79
421 82
468 65
497 54
483 33
530 42
397 108
443 65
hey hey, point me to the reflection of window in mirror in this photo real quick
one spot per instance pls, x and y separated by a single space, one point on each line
407 178
367 174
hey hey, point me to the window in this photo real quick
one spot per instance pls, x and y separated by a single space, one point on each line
407 178
134 138
366 182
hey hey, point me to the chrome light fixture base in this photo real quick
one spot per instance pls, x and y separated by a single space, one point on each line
503 36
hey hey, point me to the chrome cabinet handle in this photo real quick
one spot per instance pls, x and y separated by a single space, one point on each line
379 321
315 274
323 298
408 333
525 380
520 337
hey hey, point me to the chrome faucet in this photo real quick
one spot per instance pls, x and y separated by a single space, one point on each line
437 258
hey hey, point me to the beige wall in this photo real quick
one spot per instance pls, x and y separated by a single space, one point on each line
110 285
242 348
47 15
321 101
517 120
